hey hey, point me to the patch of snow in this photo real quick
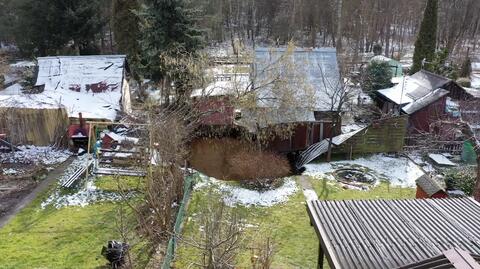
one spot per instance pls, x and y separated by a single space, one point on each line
310 195
86 195
10 171
398 171
83 197
237 195
22 64
36 155
15 89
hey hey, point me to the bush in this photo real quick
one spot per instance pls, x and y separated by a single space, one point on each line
463 180
464 82
378 75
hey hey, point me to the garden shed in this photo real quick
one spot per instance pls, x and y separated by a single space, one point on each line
383 234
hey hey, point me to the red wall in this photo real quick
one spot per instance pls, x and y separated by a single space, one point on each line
218 110
420 121
421 194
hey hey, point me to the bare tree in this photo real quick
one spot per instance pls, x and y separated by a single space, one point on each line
221 235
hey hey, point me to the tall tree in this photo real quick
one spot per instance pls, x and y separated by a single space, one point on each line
126 29
427 37
44 27
169 42
126 26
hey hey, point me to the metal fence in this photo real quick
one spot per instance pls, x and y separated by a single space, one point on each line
172 243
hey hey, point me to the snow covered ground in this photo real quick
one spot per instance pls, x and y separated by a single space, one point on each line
398 171
36 155
234 195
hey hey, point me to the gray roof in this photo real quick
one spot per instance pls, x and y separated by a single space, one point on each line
424 101
414 88
429 185
393 233
262 117
310 75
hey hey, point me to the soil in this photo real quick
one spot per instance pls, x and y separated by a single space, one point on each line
232 159
18 191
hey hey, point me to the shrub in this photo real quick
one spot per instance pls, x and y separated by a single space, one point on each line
463 180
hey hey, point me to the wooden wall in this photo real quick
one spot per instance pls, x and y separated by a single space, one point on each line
39 127
382 136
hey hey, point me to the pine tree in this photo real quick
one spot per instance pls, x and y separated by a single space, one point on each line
126 27
169 43
377 76
45 27
427 37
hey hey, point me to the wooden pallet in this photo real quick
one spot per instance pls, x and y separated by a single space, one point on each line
72 180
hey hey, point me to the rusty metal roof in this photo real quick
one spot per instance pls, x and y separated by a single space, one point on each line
393 233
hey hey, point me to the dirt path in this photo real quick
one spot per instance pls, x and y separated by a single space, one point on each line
51 178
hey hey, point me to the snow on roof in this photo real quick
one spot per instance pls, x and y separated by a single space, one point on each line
302 73
424 101
22 64
441 160
414 87
90 85
475 79
474 92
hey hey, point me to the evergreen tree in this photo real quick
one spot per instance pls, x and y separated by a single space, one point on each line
377 76
169 44
45 27
126 27
427 37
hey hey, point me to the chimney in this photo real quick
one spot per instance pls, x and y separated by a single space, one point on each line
82 123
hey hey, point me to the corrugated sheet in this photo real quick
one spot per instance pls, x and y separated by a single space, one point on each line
414 88
424 101
388 234
310 76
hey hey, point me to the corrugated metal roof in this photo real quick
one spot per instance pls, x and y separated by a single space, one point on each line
389 234
310 77
424 101
414 88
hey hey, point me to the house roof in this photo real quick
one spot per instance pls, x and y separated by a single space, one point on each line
306 77
91 85
227 80
259 118
428 185
414 87
392 233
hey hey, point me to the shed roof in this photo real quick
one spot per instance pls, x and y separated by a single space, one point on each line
415 87
90 85
424 101
393 233
429 185
309 76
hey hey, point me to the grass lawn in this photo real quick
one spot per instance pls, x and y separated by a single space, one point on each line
68 237
288 225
